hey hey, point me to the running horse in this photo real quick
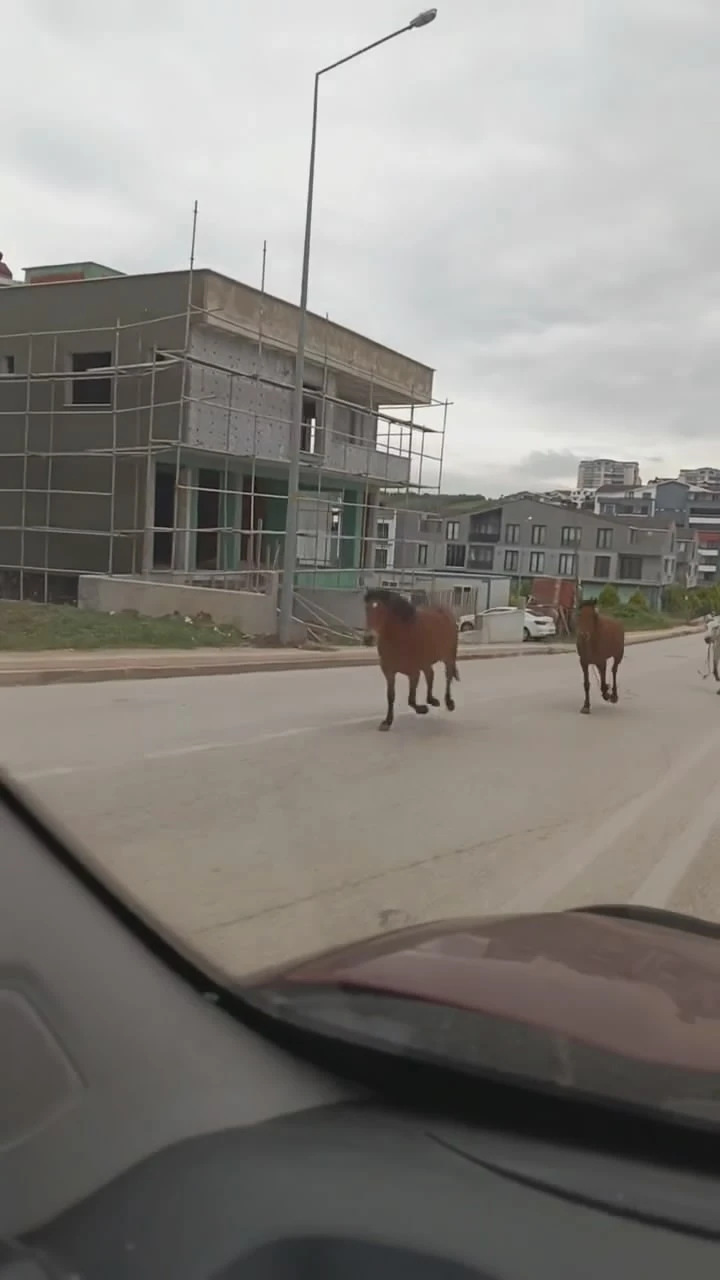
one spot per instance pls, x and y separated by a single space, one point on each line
598 640
410 640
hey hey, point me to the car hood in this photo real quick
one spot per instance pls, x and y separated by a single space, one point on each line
639 983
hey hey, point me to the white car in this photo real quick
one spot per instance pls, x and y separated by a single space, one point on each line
536 626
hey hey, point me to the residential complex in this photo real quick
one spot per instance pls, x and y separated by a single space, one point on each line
526 538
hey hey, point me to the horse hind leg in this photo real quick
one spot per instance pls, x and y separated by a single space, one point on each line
450 675
604 686
585 708
419 708
390 716
429 680
615 665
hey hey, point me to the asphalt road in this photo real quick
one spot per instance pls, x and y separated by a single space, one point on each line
264 815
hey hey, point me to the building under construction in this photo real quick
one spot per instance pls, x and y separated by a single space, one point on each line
145 432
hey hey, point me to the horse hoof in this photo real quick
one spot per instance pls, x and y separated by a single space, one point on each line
584 711
613 698
384 726
450 704
421 710
433 702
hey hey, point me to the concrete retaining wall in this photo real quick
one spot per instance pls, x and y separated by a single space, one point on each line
254 613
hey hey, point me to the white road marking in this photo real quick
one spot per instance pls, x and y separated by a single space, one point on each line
34 774
665 876
562 873
191 749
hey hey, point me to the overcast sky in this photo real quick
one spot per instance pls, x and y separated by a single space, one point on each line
524 195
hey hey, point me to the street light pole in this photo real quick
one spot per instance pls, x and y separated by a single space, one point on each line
291 518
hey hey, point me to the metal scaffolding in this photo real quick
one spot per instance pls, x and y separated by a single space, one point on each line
81 450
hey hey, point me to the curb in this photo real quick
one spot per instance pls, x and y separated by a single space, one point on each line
33 676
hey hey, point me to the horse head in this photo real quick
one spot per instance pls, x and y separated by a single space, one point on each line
383 606
587 620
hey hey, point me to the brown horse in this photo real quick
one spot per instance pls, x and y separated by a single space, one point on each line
599 640
410 641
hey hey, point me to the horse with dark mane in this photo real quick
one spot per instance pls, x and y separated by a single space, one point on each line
410 640
598 640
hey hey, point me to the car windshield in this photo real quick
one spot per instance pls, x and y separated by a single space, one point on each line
319 616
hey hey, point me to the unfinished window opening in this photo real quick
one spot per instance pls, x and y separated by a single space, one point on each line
91 391
7 366
253 551
208 519
319 530
311 435
164 519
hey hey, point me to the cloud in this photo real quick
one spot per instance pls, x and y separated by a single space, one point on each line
523 196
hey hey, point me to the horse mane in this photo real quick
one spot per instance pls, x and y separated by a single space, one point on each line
399 606
587 604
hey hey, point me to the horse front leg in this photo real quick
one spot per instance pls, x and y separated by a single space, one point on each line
604 687
585 708
390 685
418 707
429 680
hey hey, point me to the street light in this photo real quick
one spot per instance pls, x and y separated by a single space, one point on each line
290 549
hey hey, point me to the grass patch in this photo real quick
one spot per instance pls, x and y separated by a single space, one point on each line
36 627
636 619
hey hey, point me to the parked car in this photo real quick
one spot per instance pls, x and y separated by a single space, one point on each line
536 626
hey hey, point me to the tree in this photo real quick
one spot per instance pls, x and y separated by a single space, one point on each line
638 601
609 598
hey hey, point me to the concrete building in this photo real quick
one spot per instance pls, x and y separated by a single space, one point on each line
145 429
593 473
525 538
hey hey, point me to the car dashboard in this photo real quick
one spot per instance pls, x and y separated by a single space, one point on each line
146 1132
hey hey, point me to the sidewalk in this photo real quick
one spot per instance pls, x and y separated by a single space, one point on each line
75 667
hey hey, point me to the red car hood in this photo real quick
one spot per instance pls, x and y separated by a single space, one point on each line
645 990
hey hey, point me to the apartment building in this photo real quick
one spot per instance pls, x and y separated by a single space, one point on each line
593 473
525 538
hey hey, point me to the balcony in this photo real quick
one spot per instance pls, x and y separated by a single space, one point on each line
485 529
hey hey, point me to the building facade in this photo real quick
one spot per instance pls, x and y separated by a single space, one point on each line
146 428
